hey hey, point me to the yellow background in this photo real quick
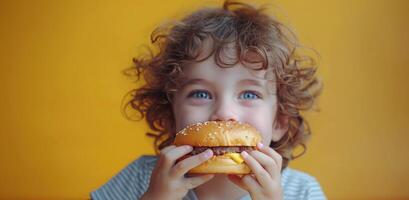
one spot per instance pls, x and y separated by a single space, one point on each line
63 135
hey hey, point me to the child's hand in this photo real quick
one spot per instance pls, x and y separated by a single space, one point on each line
168 181
266 181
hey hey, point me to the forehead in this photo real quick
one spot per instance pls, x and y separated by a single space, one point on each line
210 74
235 73
211 70
227 58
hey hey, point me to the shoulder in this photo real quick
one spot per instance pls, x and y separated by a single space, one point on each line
130 183
144 163
300 185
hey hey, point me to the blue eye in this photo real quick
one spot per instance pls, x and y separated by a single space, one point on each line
200 94
249 95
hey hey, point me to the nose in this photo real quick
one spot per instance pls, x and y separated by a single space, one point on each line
224 112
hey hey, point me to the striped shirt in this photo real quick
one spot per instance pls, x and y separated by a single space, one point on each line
132 182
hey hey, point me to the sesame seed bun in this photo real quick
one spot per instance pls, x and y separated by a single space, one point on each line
220 134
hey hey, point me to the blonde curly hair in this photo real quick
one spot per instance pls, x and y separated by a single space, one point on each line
252 31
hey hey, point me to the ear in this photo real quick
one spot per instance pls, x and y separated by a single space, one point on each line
280 127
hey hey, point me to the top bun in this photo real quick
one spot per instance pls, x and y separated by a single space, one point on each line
218 133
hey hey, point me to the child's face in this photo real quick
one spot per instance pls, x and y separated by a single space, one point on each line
215 93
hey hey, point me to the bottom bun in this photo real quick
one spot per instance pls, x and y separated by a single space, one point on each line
221 165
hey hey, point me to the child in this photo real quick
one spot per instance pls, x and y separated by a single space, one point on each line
229 63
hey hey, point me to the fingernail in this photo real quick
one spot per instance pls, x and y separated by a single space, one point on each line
260 145
244 154
189 148
208 153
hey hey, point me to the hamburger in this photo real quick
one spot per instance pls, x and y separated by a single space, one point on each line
227 139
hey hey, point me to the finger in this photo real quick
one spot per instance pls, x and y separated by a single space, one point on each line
271 153
197 180
251 183
238 181
185 165
267 163
261 174
168 159
166 149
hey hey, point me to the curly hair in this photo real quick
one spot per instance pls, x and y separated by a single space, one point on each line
252 31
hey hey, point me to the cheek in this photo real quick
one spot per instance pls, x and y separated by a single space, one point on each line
262 120
186 114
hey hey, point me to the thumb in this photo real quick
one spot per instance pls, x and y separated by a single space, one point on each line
236 179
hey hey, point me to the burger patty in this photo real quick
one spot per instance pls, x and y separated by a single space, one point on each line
222 150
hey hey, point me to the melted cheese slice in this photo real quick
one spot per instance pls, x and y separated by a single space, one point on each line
236 157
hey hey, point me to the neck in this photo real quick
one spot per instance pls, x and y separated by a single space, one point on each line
219 187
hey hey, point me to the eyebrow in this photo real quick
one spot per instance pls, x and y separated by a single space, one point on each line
195 81
202 81
250 82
